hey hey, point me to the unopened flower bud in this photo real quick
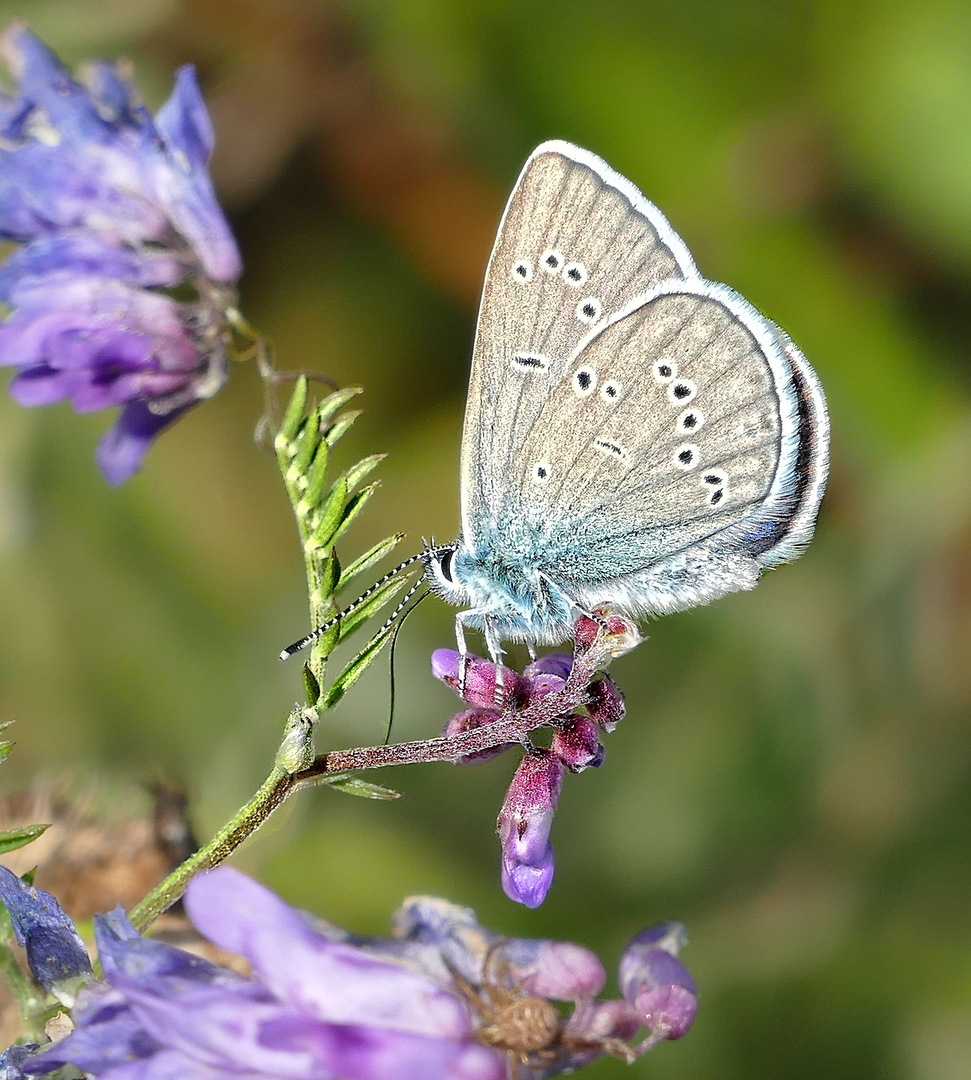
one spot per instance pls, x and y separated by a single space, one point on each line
611 634
606 704
481 679
577 744
469 720
556 663
524 828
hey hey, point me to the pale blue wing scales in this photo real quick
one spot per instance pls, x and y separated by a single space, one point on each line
674 423
576 244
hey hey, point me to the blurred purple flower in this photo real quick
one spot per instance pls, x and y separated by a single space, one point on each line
113 207
656 984
511 984
12 1060
314 1007
444 998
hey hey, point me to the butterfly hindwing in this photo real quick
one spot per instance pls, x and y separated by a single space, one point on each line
673 422
576 244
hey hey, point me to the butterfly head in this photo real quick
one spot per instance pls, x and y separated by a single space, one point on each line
442 569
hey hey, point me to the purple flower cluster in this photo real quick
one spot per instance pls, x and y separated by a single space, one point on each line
114 209
527 813
444 999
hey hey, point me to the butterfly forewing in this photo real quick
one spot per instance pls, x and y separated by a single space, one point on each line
671 423
576 244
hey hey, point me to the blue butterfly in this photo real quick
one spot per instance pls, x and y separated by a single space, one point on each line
635 435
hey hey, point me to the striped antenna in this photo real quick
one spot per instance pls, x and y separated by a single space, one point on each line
423 556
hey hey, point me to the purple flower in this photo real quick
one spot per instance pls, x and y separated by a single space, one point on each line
524 827
510 983
114 208
577 744
656 984
313 1008
13 1058
444 998
56 955
569 694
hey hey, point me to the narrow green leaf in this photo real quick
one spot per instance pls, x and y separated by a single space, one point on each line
5 748
368 559
317 476
340 425
353 508
374 603
307 442
17 838
331 515
329 406
4 725
327 570
327 642
362 469
355 669
353 785
294 413
311 686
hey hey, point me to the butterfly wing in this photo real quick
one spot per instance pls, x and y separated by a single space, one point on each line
576 243
687 427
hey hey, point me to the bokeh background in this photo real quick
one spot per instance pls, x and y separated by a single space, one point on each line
793 779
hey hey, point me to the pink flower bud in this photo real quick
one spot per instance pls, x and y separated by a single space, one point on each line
606 704
481 679
577 744
524 828
469 720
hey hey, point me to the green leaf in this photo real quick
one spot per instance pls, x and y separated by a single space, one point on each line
331 515
317 476
5 748
353 785
351 621
363 468
17 838
353 508
292 417
330 405
327 571
306 442
355 669
368 559
311 686
327 641
4 725
340 425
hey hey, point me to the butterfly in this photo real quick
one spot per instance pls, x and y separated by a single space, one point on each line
635 435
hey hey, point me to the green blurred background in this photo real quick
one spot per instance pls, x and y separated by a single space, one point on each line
793 779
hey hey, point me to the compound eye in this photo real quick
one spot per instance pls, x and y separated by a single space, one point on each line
445 565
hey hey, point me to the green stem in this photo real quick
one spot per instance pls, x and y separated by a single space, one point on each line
273 793
27 998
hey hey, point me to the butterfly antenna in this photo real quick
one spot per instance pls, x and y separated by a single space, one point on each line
391 652
290 650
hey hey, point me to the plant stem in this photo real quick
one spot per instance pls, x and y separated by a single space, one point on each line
274 791
23 992
296 768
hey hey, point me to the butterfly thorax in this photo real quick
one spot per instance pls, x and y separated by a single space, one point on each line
508 593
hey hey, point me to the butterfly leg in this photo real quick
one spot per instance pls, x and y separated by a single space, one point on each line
463 649
559 594
496 654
